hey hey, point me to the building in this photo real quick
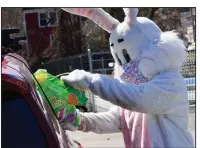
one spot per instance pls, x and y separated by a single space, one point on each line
39 25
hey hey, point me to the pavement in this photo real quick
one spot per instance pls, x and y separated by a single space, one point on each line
116 140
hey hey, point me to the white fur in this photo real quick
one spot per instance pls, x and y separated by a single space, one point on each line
174 48
117 71
133 42
131 14
167 54
136 37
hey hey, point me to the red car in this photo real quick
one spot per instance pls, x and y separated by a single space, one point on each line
28 121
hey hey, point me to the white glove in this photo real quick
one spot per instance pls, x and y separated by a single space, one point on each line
79 79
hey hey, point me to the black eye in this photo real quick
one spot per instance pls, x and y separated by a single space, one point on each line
120 63
120 40
126 55
112 44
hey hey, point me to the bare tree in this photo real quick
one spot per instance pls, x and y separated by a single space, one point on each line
12 18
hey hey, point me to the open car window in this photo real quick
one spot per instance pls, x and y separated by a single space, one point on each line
17 113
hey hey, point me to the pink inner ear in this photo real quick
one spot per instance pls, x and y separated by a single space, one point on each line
101 20
86 12
89 12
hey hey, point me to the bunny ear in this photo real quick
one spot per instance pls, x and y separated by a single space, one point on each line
98 15
131 15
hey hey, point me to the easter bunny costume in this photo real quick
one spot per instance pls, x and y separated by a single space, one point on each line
148 91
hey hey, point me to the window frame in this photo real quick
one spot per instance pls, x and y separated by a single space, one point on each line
48 15
39 19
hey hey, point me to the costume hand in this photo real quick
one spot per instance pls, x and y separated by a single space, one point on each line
79 79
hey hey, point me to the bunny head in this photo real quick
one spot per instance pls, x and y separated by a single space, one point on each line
132 36
136 38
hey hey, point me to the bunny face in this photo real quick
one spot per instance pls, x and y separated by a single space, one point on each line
130 38
126 43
